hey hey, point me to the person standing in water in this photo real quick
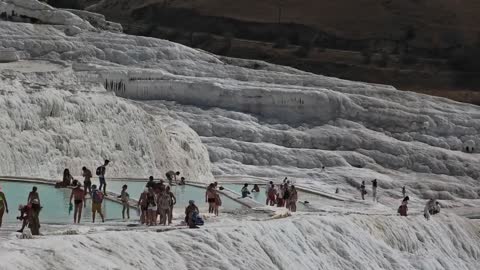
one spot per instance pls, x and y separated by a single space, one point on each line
210 198
78 195
292 200
362 190
152 208
34 200
245 191
270 192
125 197
150 183
173 201
3 205
97 200
374 190
87 182
101 176
163 203
218 203
143 205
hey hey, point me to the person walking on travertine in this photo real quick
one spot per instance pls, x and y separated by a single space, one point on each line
362 190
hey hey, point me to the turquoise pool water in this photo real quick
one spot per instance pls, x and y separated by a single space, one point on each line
55 203
182 193
261 196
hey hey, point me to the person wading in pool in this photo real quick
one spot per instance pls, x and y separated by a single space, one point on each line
34 201
173 201
3 205
152 208
87 182
245 191
163 203
210 198
143 205
125 197
78 196
101 176
292 199
97 200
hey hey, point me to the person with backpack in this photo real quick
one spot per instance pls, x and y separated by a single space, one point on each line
87 182
362 190
191 214
3 205
374 190
402 210
125 197
97 200
78 195
100 172
245 191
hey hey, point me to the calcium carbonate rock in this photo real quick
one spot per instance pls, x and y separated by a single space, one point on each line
8 55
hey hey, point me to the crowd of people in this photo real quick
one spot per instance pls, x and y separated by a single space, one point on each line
281 195
157 201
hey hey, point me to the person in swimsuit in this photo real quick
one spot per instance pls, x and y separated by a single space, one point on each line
34 201
3 205
210 198
125 197
142 204
218 203
152 208
173 201
78 196
292 205
172 176
163 203
87 182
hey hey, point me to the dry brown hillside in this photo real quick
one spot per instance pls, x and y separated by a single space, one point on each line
431 46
